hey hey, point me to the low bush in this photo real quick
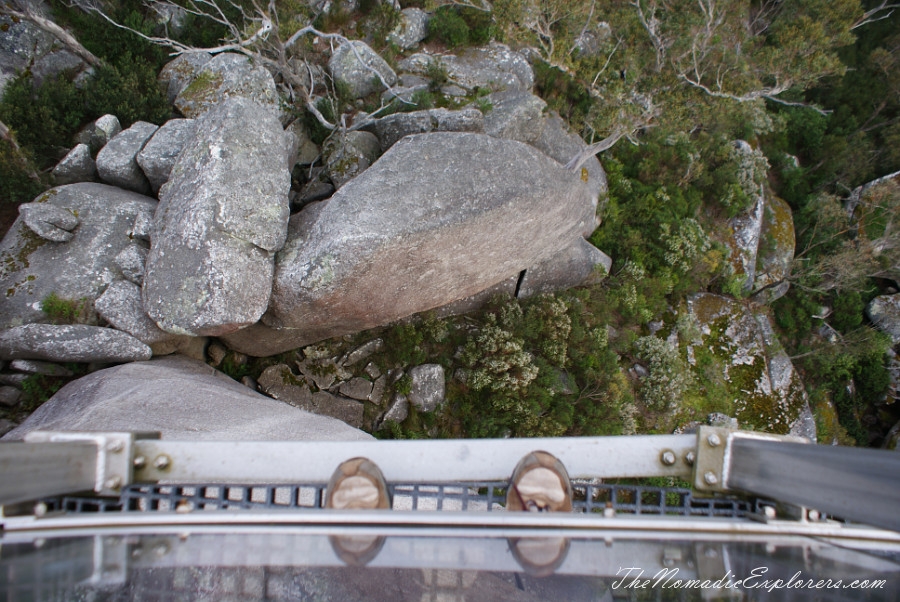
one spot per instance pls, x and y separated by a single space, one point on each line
448 26
65 311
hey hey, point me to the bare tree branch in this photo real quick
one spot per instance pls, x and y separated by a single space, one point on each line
766 93
263 45
25 12
871 16
607 143
653 25
6 134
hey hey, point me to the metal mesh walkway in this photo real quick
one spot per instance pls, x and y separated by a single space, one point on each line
475 496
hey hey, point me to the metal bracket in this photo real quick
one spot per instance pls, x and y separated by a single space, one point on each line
714 448
115 451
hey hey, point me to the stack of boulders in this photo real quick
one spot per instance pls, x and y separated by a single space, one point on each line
737 342
762 241
189 234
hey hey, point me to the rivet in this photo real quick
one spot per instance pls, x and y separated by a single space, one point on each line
713 440
140 462
710 478
40 509
813 515
162 461
667 457
115 446
689 458
113 483
769 511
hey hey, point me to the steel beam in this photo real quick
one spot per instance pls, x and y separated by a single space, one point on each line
851 483
431 461
31 471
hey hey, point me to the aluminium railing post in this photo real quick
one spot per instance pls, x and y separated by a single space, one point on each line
860 485
32 471
855 484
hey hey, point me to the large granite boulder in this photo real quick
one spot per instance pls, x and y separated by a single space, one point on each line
744 243
76 166
158 155
437 218
222 215
122 307
776 244
412 28
25 46
97 133
178 73
32 267
427 386
734 349
49 221
116 162
762 241
224 76
394 127
355 65
494 67
516 115
348 155
571 266
183 399
21 42
558 142
884 312
71 343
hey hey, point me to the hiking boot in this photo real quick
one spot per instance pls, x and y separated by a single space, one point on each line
540 483
357 484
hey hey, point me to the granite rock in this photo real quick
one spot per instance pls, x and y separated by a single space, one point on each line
116 163
158 155
183 399
76 166
71 343
222 215
31 267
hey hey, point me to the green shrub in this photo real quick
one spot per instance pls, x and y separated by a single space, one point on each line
404 385
563 93
112 44
404 343
847 311
437 75
16 185
480 23
131 95
43 119
65 311
448 27
669 377
496 360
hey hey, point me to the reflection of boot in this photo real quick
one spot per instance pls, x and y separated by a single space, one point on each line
356 550
539 556
357 484
540 483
